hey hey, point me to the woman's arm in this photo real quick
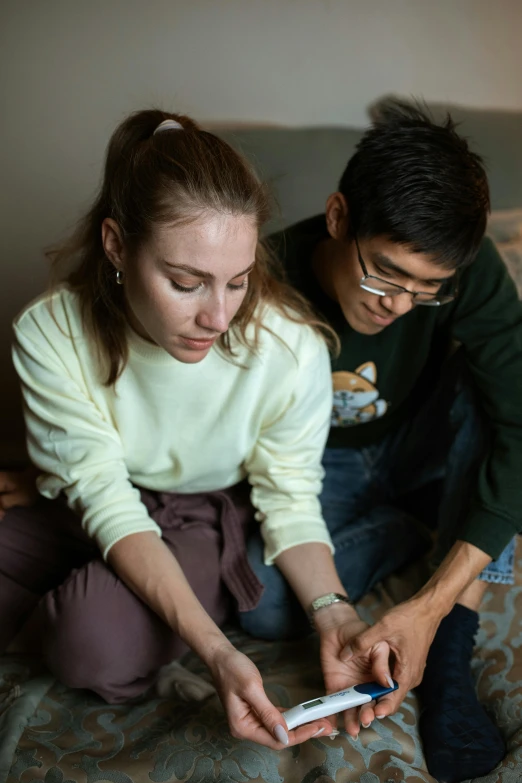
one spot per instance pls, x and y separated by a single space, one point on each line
285 467
286 473
147 566
71 438
311 572
77 446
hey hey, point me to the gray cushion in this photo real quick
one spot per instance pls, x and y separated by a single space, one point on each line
497 137
303 166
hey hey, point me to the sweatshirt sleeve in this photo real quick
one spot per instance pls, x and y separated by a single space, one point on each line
285 467
76 447
488 322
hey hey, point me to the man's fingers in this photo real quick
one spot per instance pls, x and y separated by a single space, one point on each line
361 644
380 662
10 499
389 704
6 482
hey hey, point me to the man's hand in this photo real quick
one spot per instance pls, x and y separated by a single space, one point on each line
17 489
338 627
410 627
407 630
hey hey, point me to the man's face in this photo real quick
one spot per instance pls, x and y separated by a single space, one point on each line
369 313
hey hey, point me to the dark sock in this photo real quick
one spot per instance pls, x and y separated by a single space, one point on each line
460 740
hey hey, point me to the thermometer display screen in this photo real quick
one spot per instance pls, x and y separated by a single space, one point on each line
314 703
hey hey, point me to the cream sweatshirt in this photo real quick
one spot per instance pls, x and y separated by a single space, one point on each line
175 427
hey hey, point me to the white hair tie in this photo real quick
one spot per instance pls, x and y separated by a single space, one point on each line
168 125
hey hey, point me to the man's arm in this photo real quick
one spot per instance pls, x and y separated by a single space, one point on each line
409 628
487 320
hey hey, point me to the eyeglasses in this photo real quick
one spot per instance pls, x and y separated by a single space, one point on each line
446 293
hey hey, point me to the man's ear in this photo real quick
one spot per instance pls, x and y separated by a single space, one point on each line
337 216
113 243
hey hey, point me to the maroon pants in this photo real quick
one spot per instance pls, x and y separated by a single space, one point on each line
96 633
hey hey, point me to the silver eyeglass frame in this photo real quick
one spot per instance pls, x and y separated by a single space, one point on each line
435 301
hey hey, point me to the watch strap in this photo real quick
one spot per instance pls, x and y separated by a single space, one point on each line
326 600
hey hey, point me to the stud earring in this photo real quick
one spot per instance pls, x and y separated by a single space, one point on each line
119 277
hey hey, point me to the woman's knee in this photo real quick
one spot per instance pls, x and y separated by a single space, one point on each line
107 642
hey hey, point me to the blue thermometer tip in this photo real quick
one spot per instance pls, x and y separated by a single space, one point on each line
374 689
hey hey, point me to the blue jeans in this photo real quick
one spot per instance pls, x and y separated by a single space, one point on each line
371 505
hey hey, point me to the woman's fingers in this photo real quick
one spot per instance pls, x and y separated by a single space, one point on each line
318 728
388 705
367 714
351 722
269 715
253 716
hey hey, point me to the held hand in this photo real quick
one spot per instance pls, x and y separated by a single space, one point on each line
337 633
17 489
408 629
251 715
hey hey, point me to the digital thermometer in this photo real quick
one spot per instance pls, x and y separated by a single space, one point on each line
335 702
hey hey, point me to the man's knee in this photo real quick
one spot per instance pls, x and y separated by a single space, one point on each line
275 621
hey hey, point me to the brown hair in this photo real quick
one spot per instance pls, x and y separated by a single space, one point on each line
157 179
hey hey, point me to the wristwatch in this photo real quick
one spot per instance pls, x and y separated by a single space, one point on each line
326 600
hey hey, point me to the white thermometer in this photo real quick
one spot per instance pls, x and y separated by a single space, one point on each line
335 702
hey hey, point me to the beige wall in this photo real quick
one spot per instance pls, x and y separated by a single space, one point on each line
69 70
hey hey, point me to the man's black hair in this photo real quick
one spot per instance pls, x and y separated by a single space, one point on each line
418 183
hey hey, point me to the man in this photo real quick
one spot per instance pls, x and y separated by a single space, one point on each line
427 391
17 488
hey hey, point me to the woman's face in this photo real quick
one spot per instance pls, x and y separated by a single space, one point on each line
185 284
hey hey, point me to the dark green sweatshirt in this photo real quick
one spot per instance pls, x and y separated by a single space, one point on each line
380 380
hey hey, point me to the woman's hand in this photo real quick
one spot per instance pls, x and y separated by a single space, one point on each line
251 715
338 627
17 488
148 567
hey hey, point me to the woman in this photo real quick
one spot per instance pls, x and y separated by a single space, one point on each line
173 361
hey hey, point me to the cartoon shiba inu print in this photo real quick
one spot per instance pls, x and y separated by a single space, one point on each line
356 400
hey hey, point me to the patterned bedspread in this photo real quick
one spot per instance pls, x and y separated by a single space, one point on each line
52 734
